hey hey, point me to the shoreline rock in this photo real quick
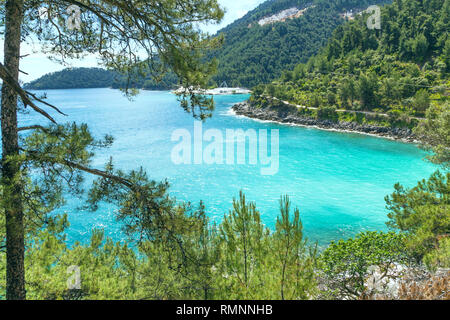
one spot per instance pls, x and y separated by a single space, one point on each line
286 116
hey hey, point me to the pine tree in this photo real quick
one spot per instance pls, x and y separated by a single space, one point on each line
243 236
296 265
165 34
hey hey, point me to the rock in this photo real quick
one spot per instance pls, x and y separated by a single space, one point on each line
285 115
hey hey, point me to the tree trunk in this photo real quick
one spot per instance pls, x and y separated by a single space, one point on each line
12 188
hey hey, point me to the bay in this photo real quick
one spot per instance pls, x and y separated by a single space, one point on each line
338 180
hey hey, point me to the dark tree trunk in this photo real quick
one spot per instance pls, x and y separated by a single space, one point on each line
12 188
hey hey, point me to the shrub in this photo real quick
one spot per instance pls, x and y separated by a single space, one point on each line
345 265
326 112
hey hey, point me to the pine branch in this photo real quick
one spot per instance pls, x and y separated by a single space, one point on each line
4 74
32 155
33 128
99 173
46 103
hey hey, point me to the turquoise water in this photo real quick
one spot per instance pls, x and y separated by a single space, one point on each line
338 180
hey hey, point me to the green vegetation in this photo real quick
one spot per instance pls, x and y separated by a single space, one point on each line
439 257
77 78
434 133
399 70
239 259
194 259
254 54
250 55
38 169
74 78
346 264
174 252
423 212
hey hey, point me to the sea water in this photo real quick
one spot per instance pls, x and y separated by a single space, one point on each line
337 180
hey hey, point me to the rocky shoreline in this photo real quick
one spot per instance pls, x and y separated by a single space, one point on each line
286 116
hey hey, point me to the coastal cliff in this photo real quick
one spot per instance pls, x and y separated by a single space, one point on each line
291 115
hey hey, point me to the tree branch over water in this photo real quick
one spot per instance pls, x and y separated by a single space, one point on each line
35 127
4 74
35 156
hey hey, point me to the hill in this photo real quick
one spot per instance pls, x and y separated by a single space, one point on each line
76 78
278 35
389 77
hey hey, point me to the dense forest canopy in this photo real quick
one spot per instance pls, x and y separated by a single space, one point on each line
98 78
75 78
401 69
254 54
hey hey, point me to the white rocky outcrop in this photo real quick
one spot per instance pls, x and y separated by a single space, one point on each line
282 16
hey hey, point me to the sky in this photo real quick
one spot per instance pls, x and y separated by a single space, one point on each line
37 64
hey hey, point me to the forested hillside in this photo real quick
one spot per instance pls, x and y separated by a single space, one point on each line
401 69
74 78
254 54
